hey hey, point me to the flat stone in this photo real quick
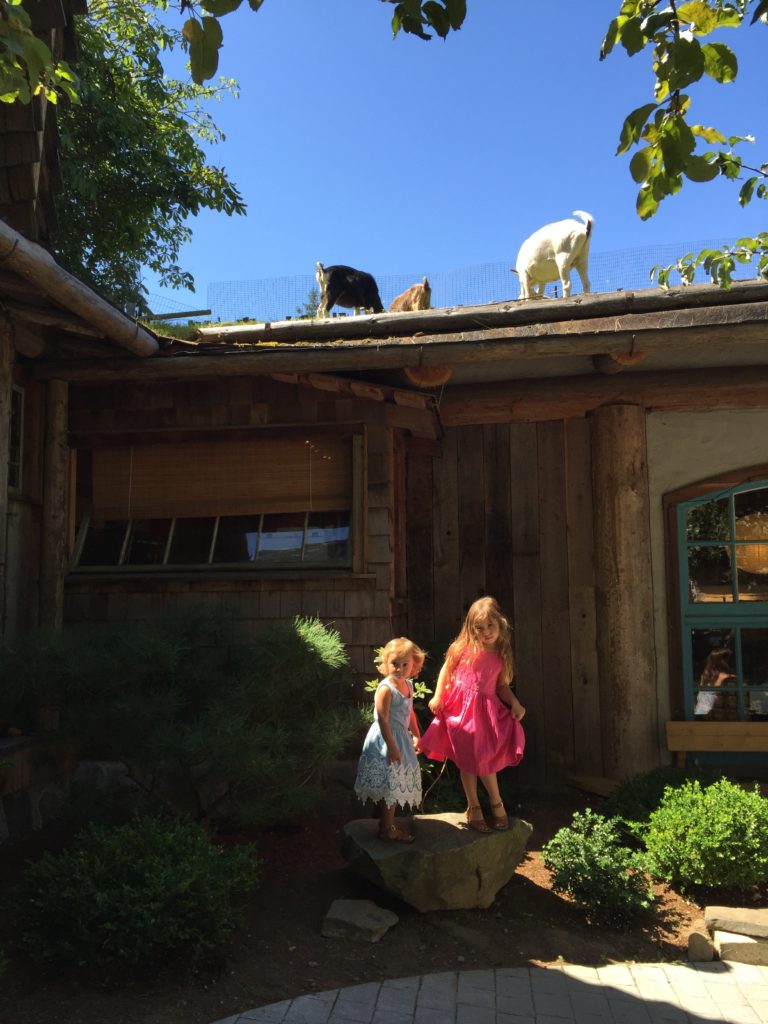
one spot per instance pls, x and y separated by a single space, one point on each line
742 949
742 920
448 867
357 919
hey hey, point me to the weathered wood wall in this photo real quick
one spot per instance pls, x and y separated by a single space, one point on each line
507 510
362 606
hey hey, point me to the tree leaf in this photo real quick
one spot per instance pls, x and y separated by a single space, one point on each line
220 7
699 168
708 134
633 39
204 49
720 62
633 126
686 63
640 165
646 205
700 15
457 12
746 191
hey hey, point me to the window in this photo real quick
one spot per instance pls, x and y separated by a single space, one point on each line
276 502
723 567
16 441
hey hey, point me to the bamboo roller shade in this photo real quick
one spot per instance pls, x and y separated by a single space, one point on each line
288 474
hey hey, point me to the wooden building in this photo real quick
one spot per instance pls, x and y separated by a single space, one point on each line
599 464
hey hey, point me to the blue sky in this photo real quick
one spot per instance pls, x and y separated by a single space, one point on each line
403 157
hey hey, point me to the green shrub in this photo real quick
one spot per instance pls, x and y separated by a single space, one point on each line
130 898
588 862
635 799
709 838
210 719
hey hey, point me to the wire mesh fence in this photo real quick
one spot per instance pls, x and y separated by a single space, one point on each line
279 298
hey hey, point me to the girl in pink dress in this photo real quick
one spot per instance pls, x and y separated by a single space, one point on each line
477 717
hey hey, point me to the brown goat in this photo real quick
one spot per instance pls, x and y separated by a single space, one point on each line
418 296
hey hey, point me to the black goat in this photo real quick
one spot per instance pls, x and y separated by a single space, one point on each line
347 287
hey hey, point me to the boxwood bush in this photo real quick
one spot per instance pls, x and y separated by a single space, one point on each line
604 878
709 838
130 898
637 797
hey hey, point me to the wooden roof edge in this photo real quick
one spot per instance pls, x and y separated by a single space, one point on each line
35 264
395 326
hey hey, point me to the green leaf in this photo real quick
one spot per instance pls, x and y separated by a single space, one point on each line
761 12
437 17
720 62
708 134
204 45
746 191
611 38
646 205
633 39
220 7
632 128
457 12
640 165
686 63
255 4
700 15
699 168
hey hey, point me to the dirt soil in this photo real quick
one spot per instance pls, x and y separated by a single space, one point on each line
279 952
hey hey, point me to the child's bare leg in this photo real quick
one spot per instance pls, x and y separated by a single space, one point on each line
499 815
475 817
387 817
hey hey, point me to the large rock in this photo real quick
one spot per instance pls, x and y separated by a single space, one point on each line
742 920
448 867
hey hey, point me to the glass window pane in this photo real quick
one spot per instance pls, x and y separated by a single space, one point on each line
103 542
237 539
715 686
147 541
750 503
709 574
191 541
282 538
708 521
328 539
751 529
754 663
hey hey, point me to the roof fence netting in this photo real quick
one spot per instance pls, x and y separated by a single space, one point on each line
281 298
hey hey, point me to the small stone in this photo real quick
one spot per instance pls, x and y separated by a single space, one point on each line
701 948
357 919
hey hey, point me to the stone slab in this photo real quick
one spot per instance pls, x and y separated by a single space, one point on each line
357 919
741 949
448 867
742 920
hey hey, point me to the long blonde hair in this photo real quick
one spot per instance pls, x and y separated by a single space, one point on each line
468 642
400 647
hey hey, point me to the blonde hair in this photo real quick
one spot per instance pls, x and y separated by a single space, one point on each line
485 609
400 647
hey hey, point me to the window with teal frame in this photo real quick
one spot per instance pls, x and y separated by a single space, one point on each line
723 569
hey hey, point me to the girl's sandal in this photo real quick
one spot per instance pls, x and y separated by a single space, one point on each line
395 834
478 824
500 821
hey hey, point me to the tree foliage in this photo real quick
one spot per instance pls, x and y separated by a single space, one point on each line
27 66
132 159
669 146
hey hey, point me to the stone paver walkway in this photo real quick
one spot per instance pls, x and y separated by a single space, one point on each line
698 993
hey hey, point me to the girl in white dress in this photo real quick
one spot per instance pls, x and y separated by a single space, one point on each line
388 772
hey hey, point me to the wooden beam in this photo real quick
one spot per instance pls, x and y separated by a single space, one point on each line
531 401
37 266
624 592
46 317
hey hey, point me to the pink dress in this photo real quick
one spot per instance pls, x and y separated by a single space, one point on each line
474 728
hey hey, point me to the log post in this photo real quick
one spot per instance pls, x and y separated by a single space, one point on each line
53 546
624 594
6 361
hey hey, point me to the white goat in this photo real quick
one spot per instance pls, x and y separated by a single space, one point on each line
551 252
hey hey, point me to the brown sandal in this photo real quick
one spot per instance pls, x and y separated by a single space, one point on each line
478 824
500 821
395 834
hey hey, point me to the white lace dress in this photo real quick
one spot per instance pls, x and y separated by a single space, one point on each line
377 779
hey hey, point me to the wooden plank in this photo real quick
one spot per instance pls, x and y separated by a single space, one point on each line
526 579
730 737
498 515
421 597
447 611
6 362
556 652
53 554
471 501
585 678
